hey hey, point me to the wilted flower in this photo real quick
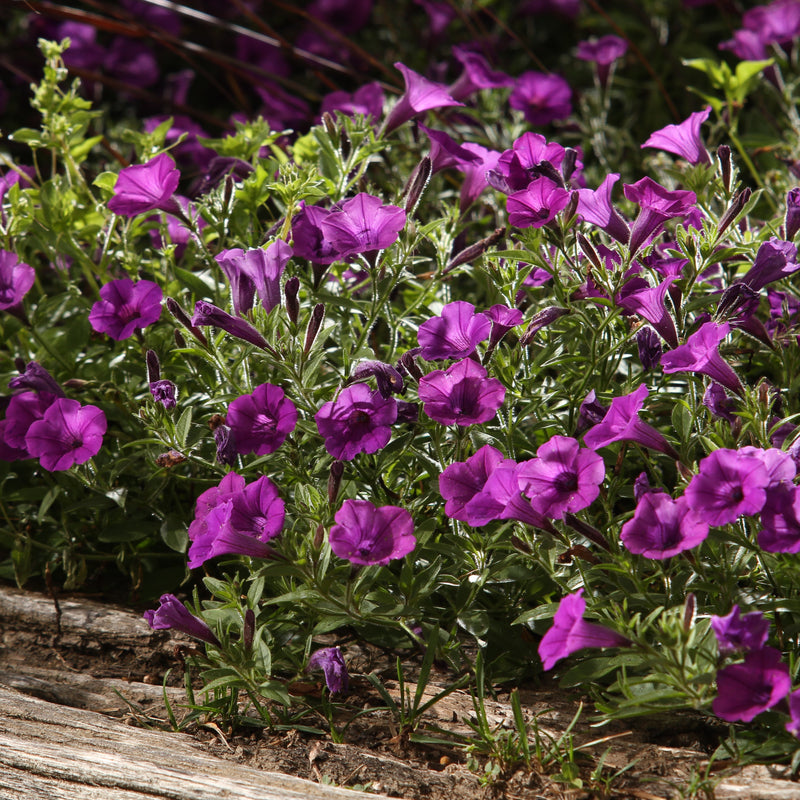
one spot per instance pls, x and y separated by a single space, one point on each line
366 535
662 527
461 395
570 632
745 690
718 403
68 433
792 219
331 662
736 633
388 379
126 306
780 519
357 421
455 333
164 392
16 280
683 139
171 613
146 187
261 421
541 97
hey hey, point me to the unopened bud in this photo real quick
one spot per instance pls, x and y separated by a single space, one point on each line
230 181
330 127
153 367
175 309
724 156
792 221
20 364
587 530
345 144
410 365
733 211
738 302
569 162
689 608
335 480
248 629
588 250
541 320
292 305
179 340
319 536
314 324
417 183
476 250
545 169
571 208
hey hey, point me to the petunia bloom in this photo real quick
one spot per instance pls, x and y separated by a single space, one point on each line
261 421
357 421
683 139
564 477
541 97
67 434
621 423
747 689
16 280
701 354
420 95
366 535
662 527
780 519
603 52
126 306
650 303
737 633
729 484
793 726
596 208
171 613
36 378
455 333
146 187
570 632
476 75
774 260
537 204
331 662
209 314
460 481
259 270
164 392
462 395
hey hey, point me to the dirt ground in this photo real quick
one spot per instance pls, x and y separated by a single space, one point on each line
103 658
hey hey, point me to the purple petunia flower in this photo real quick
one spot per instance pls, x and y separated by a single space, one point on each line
792 218
164 392
603 52
729 484
570 632
16 279
462 480
541 97
366 535
357 421
462 395
595 206
718 403
662 527
455 333
363 224
259 270
562 478
683 139
650 303
775 259
367 100
67 434
261 421
36 378
477 74
745 690
657 205
537 204
171 613
700 354
793 726
23 410
209 314
621 423
125 306
146 187
331 662
736 633
420 95
229 486
780 519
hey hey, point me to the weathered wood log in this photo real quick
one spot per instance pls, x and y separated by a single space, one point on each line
48 752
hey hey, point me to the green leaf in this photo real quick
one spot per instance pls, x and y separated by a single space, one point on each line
182 427
174 534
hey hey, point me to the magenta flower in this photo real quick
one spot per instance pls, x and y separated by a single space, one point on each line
255 270
657 205
388 379
650 303
363 224
367 100
67 434
261 421
331 662
541 97
146 187
736 633
461 395
792 218
595 206
125 306
209 314
517 167
562 478
793 726
366 535
171 613
536 205
421 95
603 52
745 690
683 139
718 403
728 485
455 333
701 354
503 320
477 74
780 519
16 280
475 173
621 423
229 486
775 259
164 392
357 421
570 632
462 480
662 527
36 378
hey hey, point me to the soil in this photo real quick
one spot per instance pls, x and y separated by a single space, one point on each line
99 657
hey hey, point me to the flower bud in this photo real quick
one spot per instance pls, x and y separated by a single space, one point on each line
179 340
569 162
689 608
724 156
737 204
175 309
292 305
317 315
330 127
649 348
226 446
587 530
792 222
738 302
417 183
248 629
475 250
541 320
588 250
153 366
410 365
335 480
